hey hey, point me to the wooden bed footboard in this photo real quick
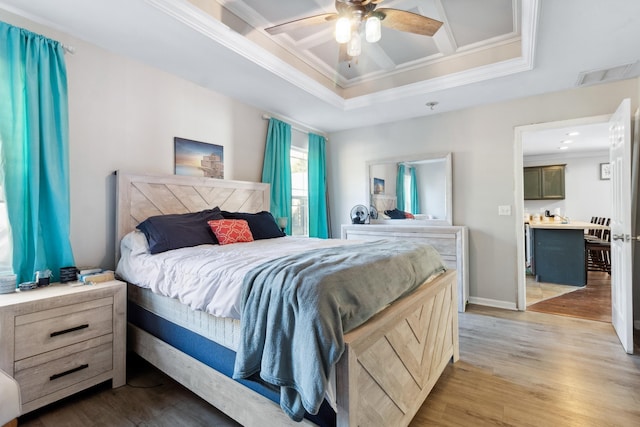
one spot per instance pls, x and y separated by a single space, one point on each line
390 364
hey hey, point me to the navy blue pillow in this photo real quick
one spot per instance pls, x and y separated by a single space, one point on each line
261 224
175 231
396 214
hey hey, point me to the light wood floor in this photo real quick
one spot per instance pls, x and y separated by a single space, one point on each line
541 291
515 369
534 369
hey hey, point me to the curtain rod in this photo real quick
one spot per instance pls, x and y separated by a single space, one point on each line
299 128
68 48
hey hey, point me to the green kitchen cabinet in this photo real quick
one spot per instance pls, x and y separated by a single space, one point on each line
544 182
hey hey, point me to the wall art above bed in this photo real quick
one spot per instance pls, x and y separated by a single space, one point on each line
196 158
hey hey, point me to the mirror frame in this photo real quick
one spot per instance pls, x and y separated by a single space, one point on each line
448 219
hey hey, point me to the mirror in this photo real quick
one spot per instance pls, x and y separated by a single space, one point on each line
433 181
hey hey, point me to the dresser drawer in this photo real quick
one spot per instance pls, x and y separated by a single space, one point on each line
449 241
450 262
445 244
46 330
49 372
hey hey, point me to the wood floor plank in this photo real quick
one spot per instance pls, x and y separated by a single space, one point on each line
533 369
149 398
589 302
515 369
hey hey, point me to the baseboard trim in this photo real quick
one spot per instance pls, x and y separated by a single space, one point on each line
493 303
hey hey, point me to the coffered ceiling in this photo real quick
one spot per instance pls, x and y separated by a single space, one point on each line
486 51
488 30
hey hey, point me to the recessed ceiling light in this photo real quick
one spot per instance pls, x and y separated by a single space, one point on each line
566 141
574 133
563 148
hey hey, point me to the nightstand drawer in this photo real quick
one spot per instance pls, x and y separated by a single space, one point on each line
47 330
59 339
49 372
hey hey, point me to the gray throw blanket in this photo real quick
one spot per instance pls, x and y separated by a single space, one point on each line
295 310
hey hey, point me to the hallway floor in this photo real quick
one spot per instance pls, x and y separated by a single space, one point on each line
591 302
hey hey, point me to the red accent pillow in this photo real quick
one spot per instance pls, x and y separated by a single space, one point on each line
231 230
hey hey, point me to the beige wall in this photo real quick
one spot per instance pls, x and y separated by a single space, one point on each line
482 142
123 115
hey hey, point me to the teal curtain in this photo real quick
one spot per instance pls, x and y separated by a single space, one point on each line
415 202
35 145
276 169
318 218
400 187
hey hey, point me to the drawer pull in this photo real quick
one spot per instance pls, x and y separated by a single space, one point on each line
66 331
70 371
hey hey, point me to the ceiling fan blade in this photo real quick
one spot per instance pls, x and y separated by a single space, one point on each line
300 23
410 22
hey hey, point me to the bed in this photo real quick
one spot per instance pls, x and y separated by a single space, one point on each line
389 364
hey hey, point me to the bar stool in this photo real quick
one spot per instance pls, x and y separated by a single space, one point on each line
598 248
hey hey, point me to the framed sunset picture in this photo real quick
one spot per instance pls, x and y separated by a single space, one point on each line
196 158
378 186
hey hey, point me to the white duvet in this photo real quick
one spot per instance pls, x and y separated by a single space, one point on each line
206 277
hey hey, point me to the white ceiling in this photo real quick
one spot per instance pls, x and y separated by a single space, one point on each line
566 141
540 46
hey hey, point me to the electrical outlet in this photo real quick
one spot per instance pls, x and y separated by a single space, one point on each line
504 210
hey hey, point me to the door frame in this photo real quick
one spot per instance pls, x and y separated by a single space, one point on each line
521 290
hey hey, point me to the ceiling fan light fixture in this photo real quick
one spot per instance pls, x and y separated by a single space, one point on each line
354 47
343 30
373 29
360 19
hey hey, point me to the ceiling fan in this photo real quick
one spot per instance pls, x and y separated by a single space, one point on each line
352 14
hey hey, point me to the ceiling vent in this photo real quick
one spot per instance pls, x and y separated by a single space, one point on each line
604 75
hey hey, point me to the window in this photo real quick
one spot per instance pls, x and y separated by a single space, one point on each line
6 254
299 191
407 191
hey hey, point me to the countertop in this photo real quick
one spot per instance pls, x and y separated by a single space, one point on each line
572 225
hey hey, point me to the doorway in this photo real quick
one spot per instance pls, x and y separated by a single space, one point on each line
582 156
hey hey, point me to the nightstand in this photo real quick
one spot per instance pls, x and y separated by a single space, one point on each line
59 339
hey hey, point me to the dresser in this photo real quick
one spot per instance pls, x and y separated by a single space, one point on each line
60 339
449 241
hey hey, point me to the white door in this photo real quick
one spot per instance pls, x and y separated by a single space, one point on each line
621 251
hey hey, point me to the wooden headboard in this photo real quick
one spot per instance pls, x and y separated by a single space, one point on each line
141 196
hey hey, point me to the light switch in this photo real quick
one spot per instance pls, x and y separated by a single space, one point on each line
504 210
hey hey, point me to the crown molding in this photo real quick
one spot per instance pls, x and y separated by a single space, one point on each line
500 69
218 32
449 81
